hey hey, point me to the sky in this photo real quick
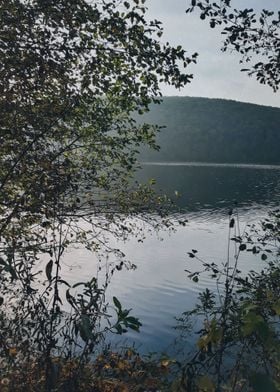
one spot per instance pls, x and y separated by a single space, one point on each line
216 74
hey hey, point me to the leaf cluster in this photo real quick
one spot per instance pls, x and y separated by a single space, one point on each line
255 37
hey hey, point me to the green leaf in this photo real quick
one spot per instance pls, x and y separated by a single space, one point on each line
134 327
119 329
63 282
70 299
49 267
117 303
78 284
85 328
2 262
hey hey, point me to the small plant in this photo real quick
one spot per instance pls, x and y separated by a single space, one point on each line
238 348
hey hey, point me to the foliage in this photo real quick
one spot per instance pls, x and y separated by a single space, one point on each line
72 73
239 343
124 371
254 36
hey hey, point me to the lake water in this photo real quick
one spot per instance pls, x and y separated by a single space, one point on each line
159 289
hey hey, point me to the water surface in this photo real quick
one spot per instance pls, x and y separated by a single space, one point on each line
159 289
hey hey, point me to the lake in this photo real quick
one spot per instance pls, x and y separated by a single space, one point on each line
159 289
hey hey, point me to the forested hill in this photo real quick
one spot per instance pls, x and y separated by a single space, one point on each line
215 130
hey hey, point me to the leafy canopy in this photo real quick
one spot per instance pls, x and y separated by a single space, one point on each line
72 71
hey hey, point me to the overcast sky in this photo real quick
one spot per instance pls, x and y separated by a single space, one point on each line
217 74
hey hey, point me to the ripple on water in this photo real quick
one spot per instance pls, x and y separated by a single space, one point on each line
160 289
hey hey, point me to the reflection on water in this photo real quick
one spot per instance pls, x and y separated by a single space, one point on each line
159 289
211 189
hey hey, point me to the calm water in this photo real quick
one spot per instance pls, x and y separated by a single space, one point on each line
159 289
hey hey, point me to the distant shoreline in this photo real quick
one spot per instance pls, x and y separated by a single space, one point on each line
213 164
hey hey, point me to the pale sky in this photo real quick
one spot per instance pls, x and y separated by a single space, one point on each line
216 74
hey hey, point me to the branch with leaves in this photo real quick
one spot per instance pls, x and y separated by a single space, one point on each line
256 37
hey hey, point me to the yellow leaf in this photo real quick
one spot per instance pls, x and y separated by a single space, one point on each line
12 351
203 342
107 366
165 362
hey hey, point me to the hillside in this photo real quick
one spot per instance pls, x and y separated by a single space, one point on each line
214 130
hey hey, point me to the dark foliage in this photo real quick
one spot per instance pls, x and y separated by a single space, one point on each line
255 36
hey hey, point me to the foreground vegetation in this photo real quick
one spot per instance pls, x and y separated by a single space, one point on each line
72 72
123 371
237 346
72 75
